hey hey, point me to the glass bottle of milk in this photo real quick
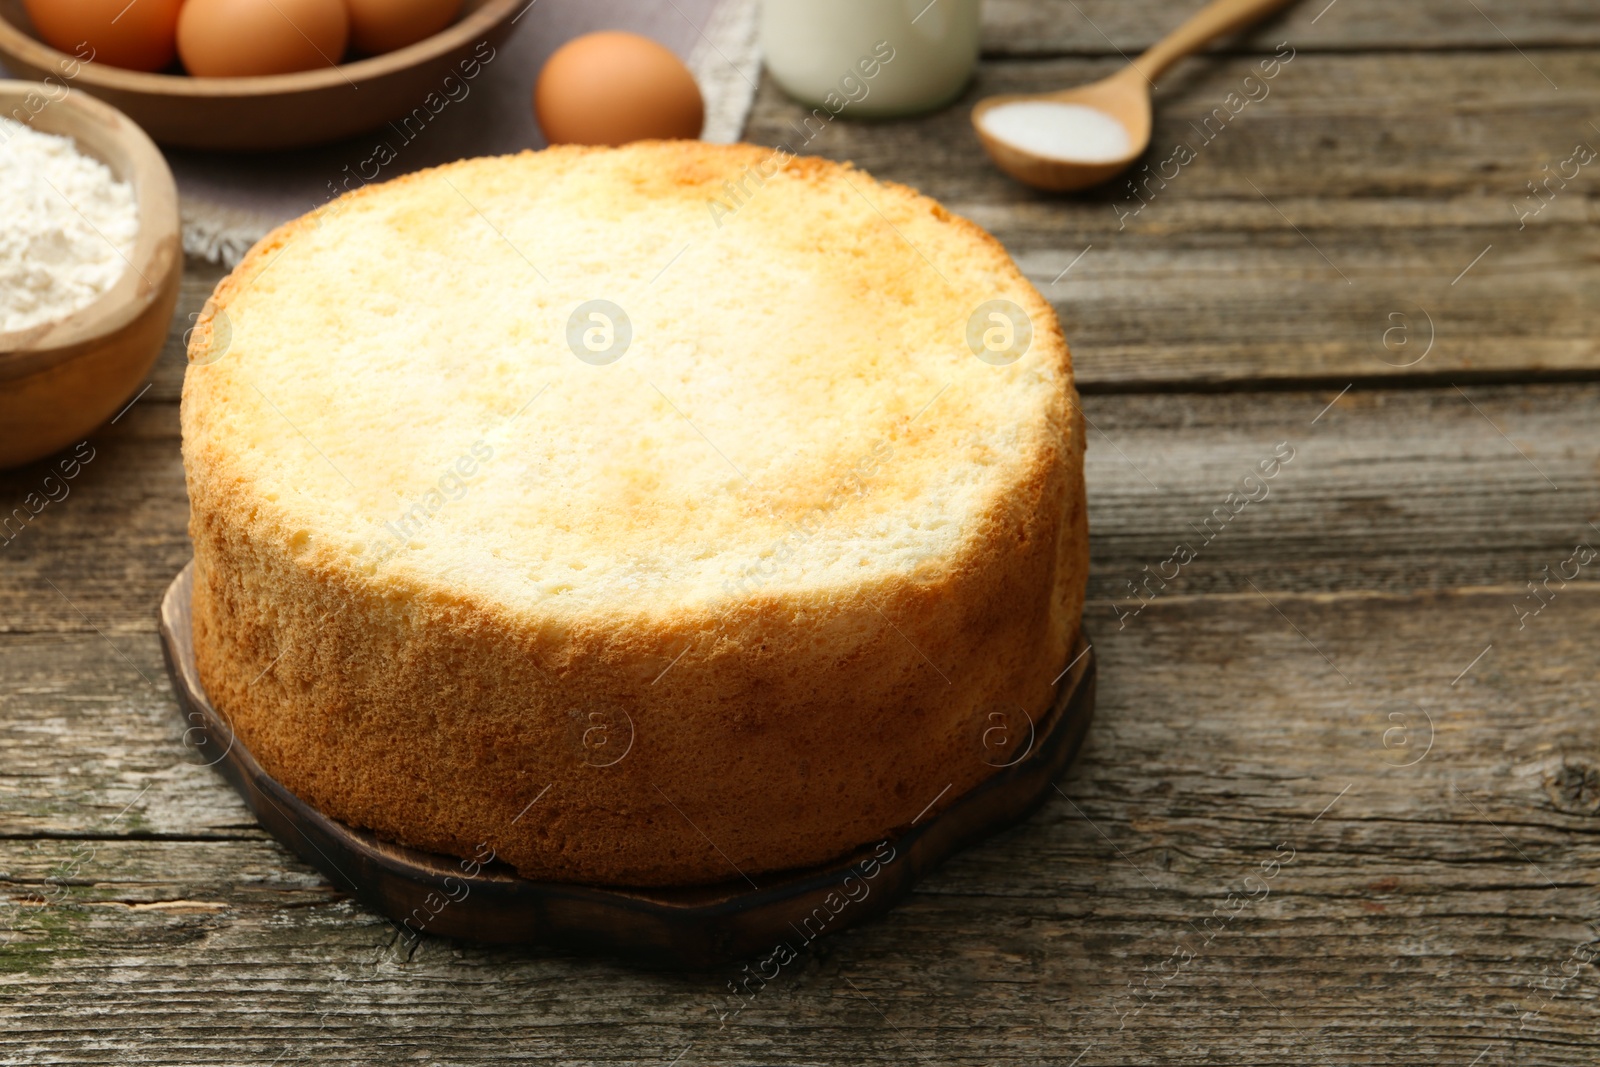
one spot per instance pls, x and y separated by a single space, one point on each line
871 58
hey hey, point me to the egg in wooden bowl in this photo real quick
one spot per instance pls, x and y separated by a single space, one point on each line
258 111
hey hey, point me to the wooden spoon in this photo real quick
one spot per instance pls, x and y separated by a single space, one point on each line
1124 97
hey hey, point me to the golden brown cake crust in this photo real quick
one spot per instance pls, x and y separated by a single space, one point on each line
792 726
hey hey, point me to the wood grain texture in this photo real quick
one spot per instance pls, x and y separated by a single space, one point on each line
1397 489
1419 915
1359 186
199 279
1101 27
1343 669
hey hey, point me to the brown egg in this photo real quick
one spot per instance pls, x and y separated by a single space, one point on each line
383 25
244 38
611 88
139 36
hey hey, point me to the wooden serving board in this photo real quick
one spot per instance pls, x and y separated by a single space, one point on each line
699 926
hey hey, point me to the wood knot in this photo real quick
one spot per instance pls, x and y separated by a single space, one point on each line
1575 788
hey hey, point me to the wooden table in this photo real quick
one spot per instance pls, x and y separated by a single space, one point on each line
1342 801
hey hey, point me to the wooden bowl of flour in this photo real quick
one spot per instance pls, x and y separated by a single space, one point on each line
61 379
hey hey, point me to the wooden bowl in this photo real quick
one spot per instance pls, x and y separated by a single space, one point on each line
689 926
61 379
280 111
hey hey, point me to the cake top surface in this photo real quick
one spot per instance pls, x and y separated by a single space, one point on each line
640 379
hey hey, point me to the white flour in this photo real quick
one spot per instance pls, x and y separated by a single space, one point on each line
67 227
1072 133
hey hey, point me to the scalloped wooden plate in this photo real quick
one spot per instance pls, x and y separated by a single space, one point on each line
698 926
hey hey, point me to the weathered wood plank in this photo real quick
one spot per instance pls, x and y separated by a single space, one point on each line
1100 27
93 556
91 742
166 380
1368 128
1426 907
1393 491
1398 169
1439 912
1399 490
1358 187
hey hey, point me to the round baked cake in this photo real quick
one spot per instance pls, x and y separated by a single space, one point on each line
650 516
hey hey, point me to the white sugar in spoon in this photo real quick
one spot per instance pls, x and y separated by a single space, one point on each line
1080 137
